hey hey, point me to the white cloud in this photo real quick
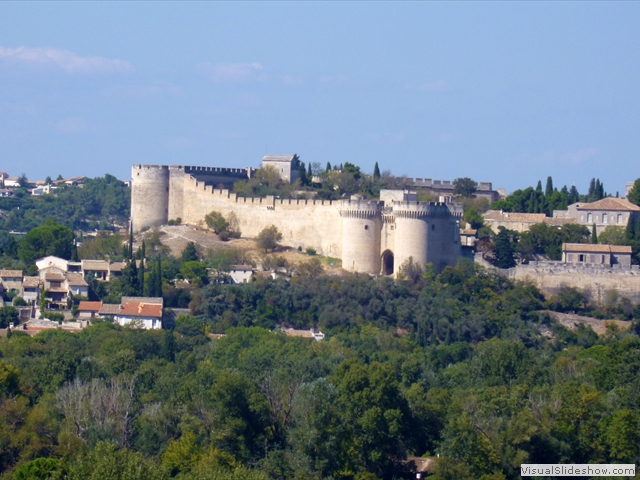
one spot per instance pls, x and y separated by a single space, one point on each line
63 59
230 72
71 125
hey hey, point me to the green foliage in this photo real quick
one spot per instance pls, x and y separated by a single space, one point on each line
8 315
473 218
505 248
465 187
225 228
101 247
268 238
39 469
612 235
547 239
634 193
50 239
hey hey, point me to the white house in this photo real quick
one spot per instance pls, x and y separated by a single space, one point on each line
241 273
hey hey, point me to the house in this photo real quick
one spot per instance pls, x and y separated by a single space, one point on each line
43 190
5 192
241 273
31 289
55 290
51 264
109 310
603 213
77 285
520 222
12 281
3 176
98 269
317 336
88 310
589 254
287 166
13 182
468 237
145 312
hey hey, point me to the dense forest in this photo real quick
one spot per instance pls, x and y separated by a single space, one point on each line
453 365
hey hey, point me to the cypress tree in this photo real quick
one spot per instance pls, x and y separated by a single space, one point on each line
158 286
594 235
549 188
141 270
130 253
328 167
505 257
376 171
539 186
592 190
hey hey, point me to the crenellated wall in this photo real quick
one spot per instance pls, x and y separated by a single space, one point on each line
369 236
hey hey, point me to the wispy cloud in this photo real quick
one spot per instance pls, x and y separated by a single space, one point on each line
69 62
230 72
437 86
71 125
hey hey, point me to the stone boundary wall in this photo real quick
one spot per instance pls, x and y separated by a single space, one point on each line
595 281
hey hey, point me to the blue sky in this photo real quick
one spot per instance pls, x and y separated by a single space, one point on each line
507 92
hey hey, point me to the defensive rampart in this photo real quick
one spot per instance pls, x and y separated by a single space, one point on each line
595 281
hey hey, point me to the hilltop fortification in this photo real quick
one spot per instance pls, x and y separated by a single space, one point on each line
372 236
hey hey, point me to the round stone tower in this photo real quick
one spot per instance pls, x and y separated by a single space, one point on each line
361 229
427 232
149 196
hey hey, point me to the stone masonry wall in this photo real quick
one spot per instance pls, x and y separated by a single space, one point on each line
594 281
304 223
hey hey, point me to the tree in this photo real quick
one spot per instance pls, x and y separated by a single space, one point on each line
594 234
549 187
613 235
573 196
50 239
539 187
376 172
268 238
141 269
328 169
505 255
189 254
473 218
216 222
23 181
8 315
48 180
634 193
465 187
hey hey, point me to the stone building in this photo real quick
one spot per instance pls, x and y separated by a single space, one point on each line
605 255
288 166
602 213
373 236
520 222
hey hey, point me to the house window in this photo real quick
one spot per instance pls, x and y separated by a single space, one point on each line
571 257
589 218
602 259
581 258
604 218
619 218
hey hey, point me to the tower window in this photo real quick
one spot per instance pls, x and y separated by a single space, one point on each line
433 226
366 227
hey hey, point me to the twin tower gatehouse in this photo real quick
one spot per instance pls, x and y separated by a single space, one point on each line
372 236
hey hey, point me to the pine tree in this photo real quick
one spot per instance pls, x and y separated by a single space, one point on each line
594 235
549 188
376 171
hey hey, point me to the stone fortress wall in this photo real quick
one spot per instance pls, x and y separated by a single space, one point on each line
594 280
369 236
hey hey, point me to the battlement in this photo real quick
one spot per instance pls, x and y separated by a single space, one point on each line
361 208
425 209
150 167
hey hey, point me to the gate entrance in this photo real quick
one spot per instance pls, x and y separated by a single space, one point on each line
387 263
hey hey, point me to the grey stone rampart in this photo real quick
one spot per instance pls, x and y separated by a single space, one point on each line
594 280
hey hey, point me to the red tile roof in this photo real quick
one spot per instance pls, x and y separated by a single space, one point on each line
610 203
589 248
139 309
89 306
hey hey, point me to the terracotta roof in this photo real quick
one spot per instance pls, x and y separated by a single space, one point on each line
54 277
610 203
140 309
109 309
76 280
587 247
89 306
116 266
31 282
151 300
57 290
95 265
298 333
468 232
11 273
514 217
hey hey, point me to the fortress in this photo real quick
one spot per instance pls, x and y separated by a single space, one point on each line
375 237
